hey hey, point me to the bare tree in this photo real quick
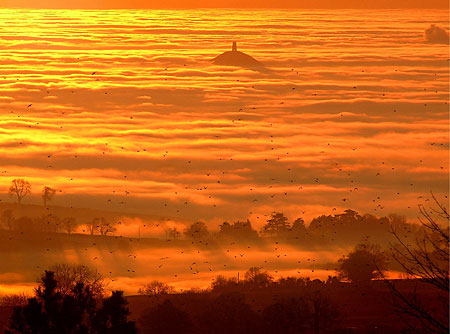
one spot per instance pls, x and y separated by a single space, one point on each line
14 300
100 225
7 219
155 289
68 275
222 283
258 278
427 261
69 224
105 227
172 233
19 188
47 194
92 226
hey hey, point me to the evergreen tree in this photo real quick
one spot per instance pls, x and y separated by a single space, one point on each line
74 312
111 318
276 225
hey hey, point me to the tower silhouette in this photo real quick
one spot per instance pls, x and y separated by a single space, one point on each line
238 58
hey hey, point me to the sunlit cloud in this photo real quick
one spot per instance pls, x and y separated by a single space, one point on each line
130 118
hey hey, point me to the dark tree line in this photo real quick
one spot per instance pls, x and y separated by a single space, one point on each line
230 312
50 223
46 223
349 226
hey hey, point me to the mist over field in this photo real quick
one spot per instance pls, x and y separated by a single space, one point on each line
131 115
221 161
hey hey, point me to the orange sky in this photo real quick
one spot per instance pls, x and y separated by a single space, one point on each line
124 111
443 4
354 107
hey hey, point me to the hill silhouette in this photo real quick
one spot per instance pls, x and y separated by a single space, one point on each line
81 214
239 59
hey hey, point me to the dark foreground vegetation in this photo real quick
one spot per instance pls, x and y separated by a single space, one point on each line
290 306
77 311
257 304
360 299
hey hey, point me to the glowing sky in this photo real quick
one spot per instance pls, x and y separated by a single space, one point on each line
126 107
116 4
123 111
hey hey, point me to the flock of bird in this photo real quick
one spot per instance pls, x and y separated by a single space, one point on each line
286 175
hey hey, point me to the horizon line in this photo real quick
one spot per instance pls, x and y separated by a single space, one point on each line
447 9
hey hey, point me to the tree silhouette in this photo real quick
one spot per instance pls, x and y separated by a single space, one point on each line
363 264
276 225
92 226
155 289
14 300
20 188
111 318
222 284
428 262
298 228
238 231
172 233
258 278
68 275
47 194
53 312
197 231
69 224
105 227
100 225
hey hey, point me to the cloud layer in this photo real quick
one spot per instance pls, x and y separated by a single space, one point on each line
123 110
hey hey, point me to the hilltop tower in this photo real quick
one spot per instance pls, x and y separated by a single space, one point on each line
238 58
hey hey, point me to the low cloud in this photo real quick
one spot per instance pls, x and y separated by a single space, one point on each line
437 35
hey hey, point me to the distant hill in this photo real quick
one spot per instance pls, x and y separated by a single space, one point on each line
82 215
239 59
